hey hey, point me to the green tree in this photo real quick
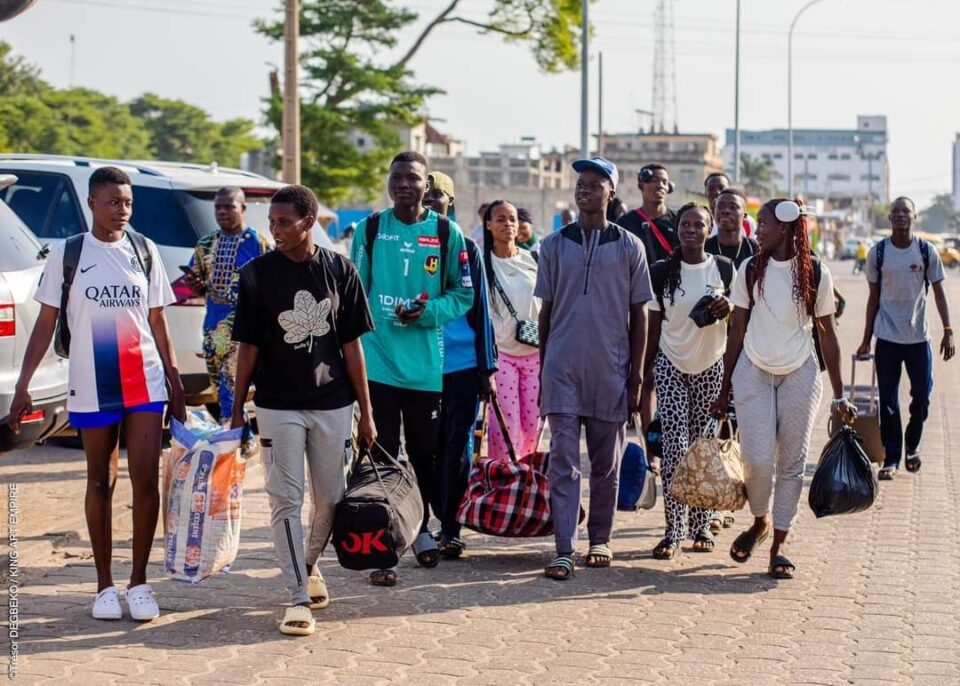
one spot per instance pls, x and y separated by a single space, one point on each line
17 76
758 175
940 215
350 90
181 132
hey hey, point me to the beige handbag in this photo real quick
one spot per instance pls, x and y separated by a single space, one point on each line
710 475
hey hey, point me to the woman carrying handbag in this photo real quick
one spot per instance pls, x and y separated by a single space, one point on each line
686 338
512 276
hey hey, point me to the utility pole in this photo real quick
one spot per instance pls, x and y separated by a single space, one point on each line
600 140
736 107
793 25
291 94
73 57
585 79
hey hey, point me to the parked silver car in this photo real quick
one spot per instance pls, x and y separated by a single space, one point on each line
21 264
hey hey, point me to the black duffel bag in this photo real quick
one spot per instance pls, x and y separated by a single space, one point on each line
845 481
380 514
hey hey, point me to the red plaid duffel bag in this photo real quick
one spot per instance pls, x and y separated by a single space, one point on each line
507 497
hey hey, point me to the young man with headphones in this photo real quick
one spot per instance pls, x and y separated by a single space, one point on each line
653 222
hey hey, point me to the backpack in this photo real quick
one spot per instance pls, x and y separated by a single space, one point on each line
924 254
71 260
443 233
660 269
751 276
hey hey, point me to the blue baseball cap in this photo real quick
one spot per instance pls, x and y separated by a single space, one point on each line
602 165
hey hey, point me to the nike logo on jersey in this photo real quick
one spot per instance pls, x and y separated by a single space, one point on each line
84 270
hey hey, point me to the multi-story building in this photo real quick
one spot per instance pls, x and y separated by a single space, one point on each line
688 157
512 166
841 166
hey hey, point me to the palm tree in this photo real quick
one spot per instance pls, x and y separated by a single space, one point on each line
758 175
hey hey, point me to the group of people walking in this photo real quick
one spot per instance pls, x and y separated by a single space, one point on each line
674 315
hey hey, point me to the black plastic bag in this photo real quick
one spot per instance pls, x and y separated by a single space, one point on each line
845 482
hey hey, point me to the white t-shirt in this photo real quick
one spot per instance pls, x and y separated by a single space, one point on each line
518 277
691 349
779 336
114 361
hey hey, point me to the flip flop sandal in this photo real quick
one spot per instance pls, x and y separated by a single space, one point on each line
452 549
786 568
383 577
887 473
704 543
107 604
426 550
666 549
317 590
298 614
728 521
599 556
746 543
141 603
913 463
562 566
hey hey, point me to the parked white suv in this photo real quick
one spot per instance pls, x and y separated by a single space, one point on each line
21 264
172 205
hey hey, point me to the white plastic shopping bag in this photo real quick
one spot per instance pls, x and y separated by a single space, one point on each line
202 488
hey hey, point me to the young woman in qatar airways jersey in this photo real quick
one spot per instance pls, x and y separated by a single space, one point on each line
121 362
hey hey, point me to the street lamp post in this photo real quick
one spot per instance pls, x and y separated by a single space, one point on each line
585 79
736 106
793 25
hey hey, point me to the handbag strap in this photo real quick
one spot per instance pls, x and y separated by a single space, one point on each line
503 429
503 296
479 431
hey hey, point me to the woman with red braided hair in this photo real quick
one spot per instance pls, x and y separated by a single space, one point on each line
771 363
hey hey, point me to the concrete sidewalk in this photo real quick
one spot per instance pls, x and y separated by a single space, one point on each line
876 599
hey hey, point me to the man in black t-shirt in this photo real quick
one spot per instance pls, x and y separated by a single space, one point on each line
653 222
300 313
730 209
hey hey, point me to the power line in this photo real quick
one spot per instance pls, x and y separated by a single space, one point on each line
160 10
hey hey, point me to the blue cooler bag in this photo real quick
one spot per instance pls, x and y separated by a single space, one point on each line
638 483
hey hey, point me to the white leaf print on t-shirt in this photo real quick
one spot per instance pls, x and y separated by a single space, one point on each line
307 319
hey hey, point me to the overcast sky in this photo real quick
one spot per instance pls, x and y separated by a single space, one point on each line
850 57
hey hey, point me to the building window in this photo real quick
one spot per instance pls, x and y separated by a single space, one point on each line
812 156
778 156
798 156
845 156
765 156
869 177
839 177
832 156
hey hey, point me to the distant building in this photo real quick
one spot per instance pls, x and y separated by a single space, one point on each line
688 157
511 166
840 166
956 173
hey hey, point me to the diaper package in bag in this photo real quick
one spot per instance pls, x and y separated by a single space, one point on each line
202 489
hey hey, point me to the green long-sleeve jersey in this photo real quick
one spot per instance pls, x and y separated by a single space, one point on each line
406 263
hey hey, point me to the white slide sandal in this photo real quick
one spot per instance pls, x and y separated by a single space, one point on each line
141 603
107 604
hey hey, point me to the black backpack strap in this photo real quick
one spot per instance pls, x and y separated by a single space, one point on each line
443 233
751 276
725 266
817 271
142 250
71 260
925 256
658 281
372 229
880 250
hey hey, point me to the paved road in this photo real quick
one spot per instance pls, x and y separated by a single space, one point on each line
877 599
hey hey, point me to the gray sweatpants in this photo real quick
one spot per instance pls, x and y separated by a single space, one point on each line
286 436
775 414
604 448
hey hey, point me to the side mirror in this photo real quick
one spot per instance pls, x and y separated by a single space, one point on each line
44 252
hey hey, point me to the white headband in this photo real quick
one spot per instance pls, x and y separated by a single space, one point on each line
787 211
